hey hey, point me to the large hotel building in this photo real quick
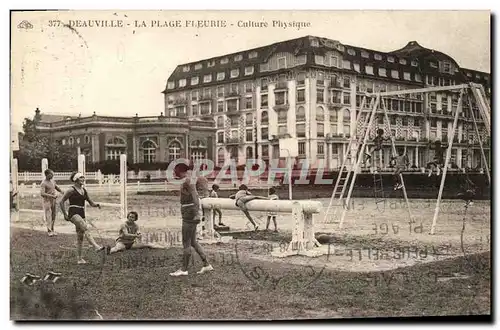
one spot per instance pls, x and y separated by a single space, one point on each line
238 106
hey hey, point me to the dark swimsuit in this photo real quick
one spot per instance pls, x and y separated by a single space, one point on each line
77 203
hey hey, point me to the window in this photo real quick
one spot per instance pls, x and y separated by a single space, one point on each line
221 76
320 114
301 59
315 43
404 121
301 78
263 101
282 63
235 73
194 109
280 98
302 148
77 140
238 58
301 95
205 108
207 78
301 130
264 118
347 116
301 114
320 130
233 88
334 61
340 47
249 70
346 64
418 77
198 66
221 157
395 74
365 54
249 119
253 55
356 67
347 82
248 102
406 76
347 129
264 133
334 115
320 95
232 105
320 80
194 95
149 151
182 82
369 69
248 87
390 59
185 68
378 57
447 67
414 63
433 64
382 72
321 148
220 91
71 141
402 61
333 128
351 52
87 139
220 106
282 130
220 122
347 98
319 59
195 80
249 135
170 85
263 84
211 63
225 60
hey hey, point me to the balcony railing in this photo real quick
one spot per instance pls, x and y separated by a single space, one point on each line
180 101
233 141
205 97
334 84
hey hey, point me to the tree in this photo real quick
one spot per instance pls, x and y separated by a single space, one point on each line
34 146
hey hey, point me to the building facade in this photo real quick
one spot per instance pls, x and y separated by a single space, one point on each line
313 89
142 139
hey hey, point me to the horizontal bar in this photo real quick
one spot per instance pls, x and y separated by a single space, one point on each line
420 90
110 204
30 211
263 205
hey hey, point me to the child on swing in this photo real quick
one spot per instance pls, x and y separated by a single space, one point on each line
400 163
242 197
378 141
438 161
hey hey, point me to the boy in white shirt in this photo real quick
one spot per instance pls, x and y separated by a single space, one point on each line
272 215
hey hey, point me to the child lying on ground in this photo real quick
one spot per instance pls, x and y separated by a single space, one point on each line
129 233
242 197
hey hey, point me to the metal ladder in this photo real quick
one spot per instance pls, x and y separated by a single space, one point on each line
482 104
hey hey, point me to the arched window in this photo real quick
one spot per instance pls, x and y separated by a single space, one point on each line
87 139
149 151
221 157
249 153
320 114
174 150
301 114
347 116
198 150
115 146
233 152
71 141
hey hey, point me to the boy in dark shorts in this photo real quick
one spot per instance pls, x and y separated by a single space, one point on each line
378 140
242 197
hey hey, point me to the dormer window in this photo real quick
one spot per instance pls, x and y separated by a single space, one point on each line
414 63
390 59
378 57
210 64
433 64
253 55
170 85
340 48
351 52
225 60
314 43
185 68
402 61
198 66
365 54
238 58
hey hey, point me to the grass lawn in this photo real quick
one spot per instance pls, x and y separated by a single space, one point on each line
136 285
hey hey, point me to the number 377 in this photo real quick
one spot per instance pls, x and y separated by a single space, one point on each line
54 23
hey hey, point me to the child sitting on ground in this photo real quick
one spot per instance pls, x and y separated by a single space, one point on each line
129 233
272 215
242 197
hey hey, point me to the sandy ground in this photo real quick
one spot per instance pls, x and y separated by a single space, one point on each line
372 238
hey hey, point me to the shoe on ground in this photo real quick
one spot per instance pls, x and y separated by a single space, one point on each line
179 272
81 262
205 269
221 224
51 234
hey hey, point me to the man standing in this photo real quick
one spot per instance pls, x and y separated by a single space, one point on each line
48 189
191 217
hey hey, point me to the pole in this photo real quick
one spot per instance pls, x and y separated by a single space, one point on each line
289 176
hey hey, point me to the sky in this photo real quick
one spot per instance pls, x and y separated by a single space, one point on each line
121 71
